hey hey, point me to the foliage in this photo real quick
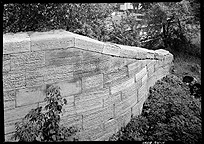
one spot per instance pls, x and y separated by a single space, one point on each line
169 114
172 26
44 124
169 25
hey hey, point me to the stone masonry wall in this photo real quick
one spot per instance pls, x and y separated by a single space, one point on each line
105 84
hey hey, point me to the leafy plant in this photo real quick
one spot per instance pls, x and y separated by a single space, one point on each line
44 124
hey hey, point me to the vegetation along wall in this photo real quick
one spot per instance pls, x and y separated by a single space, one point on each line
104 83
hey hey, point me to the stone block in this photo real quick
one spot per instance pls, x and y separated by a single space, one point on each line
142 91
8 137
86 105
14 80
69 88
34 77
135 110
112 76
111 49
9 95
72 120
122 85
126 93
111 126
9 105
97 93
18 113
92 120
89 44
112 99
9 127
92 82
29 96
120 108
19 61
150 70
36 60
68 109
128 53
89 56
50 40
144 79
56 74
6 65
127 116
116 63
63 53
141 74
92 133
15 43
133 68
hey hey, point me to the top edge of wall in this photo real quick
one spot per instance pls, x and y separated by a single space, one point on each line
23 42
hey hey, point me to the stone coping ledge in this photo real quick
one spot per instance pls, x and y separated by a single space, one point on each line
56 39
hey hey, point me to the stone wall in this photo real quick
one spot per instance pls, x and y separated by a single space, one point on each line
105 84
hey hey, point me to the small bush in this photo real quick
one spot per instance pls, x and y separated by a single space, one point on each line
44 124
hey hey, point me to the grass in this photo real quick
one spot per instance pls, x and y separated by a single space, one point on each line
170 113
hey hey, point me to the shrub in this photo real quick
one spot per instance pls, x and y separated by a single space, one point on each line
44 124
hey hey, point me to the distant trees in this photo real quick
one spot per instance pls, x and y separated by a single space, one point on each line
170 25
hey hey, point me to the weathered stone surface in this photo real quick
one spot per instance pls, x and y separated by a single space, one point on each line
150 70
56 74
14 43
6 65
10 126
133 68
17 113
128 53
19 61
144 79
92 120
112 76
29 96
14 80
9 105
86 105
112 99
89 56
50 40
111 49
135 110
34 77
122 86
92 133
8 137
36 60
9 96
126 93
142 91
141 74
97 93
69 88
111 126
72 120
92 82
63 57
89 44
120 108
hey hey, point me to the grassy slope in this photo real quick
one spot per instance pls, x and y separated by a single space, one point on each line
170 112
